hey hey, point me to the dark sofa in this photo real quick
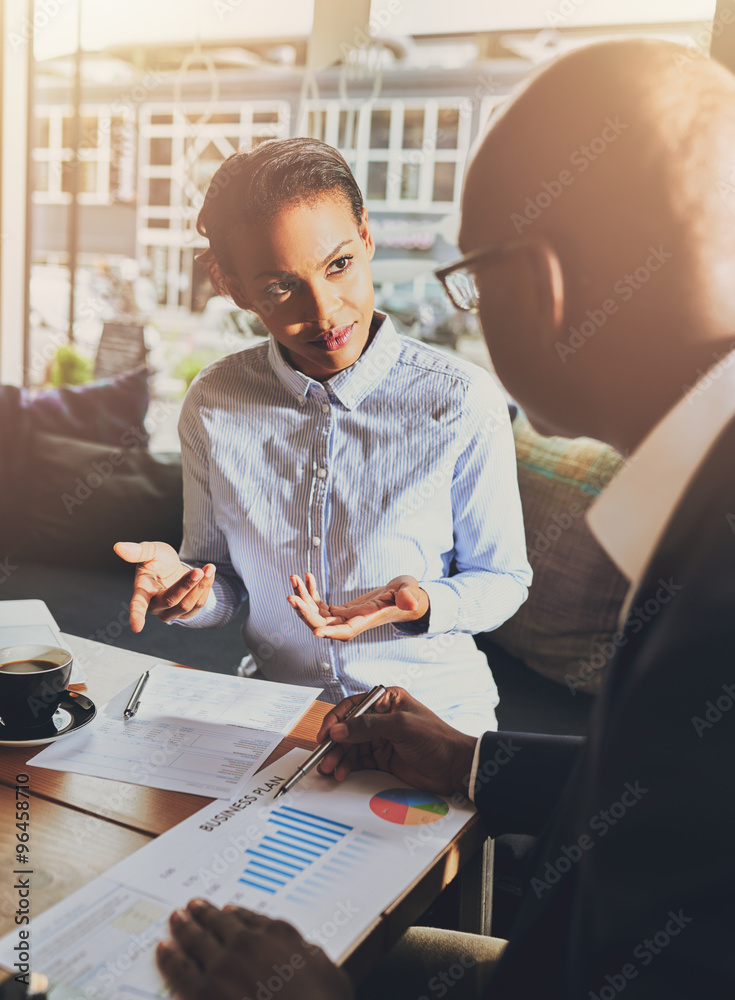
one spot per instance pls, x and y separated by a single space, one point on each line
77 476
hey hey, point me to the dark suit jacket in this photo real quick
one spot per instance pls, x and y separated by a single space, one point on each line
633 884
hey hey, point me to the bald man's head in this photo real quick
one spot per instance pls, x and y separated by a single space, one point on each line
621 156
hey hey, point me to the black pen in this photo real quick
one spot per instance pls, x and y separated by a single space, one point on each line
321 752
134 704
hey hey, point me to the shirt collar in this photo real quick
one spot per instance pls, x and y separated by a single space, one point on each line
631 516
353 384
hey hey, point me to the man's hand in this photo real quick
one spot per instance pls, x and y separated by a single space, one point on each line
402 600
400 736
163 585
224 954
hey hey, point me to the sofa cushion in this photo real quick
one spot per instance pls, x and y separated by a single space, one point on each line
82 497
563 629
108 410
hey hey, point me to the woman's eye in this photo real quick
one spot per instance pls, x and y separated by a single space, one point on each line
339 265
280 288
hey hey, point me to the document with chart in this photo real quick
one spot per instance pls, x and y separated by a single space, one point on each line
194 732
327 857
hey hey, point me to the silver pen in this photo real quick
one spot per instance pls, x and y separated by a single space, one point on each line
134 704
321 752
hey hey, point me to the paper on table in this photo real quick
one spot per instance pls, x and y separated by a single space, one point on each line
327 857
194 732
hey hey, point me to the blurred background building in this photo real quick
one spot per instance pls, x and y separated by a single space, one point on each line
125 110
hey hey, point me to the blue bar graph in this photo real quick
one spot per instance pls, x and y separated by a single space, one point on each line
295 840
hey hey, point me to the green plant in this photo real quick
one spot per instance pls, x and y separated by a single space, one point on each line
69 367
189 367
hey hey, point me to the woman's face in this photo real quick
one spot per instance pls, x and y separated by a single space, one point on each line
307 275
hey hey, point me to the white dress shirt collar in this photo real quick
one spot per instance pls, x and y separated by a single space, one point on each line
631 516
353 384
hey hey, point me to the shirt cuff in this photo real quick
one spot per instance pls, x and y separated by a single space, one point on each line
473 772
444 604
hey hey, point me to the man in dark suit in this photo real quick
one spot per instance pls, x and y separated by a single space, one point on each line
598 226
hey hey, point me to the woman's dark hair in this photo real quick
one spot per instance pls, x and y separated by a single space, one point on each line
250 188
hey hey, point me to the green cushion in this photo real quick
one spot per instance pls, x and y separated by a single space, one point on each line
574 602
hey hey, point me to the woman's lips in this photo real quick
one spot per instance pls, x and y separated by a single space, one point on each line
335 339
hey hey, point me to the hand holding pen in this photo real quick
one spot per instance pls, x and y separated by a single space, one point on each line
320 753
402 737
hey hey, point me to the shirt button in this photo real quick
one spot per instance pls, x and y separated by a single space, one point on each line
321 473
316 540
325 407
326 668
301 400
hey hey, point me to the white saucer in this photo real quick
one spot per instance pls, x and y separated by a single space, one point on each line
75 711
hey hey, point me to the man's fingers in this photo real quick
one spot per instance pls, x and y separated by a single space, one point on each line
192 938
336 714
369 727
182 974
224 925
339 762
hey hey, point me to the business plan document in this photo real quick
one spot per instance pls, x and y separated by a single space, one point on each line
327 857
194 732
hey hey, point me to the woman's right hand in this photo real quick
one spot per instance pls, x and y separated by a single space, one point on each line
164 586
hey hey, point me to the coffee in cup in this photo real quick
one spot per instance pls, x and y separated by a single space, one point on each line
32 680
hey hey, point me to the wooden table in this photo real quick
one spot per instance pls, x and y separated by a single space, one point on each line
81 826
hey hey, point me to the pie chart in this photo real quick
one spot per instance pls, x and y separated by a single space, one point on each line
408 807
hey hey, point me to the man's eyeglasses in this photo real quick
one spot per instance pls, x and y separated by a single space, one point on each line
458 279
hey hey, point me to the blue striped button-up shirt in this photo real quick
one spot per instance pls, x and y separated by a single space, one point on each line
402 464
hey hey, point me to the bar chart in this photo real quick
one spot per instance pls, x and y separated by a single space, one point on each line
298 843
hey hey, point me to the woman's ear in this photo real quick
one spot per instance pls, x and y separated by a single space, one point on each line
365 235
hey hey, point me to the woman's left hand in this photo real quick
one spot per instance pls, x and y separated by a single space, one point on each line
401 600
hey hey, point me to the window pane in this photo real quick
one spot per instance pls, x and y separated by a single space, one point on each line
88 177
413 128
443 182
317 124
159 191
41 178
225 117
377 180
380 129
162 119
67 171
160 154
410 179
89 132
347 131
41 126
447 128
265 117
67 132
